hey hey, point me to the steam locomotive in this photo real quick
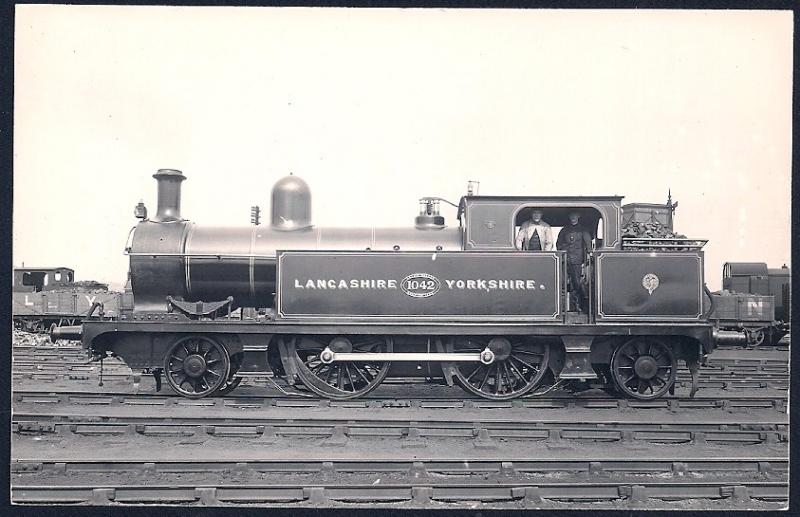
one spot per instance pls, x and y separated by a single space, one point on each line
338 309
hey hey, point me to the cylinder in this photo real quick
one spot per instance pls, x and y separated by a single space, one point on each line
169 195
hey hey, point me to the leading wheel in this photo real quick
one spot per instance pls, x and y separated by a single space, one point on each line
518 366
339 380
196 366
233 381
644 368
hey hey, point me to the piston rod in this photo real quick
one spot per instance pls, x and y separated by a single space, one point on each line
328 356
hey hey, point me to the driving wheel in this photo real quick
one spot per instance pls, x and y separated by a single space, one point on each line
518 367
339 380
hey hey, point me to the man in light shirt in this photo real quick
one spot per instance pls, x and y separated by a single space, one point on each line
535 235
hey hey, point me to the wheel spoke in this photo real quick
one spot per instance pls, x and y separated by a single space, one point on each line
485 378
515 370
347 371
477 368
510 385
359 372
369 374
339 379
534 368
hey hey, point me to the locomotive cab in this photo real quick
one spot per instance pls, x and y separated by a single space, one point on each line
492 222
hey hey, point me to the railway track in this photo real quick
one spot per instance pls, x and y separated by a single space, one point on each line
414 433
733 402
424 483
723 381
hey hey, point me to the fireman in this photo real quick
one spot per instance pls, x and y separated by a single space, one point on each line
577 242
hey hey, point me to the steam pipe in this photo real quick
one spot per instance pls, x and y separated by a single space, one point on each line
169 195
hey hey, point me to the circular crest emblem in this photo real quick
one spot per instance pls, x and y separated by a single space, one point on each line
420 285
650 282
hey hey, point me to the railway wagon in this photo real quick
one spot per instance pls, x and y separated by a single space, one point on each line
755 301
42 297
339 309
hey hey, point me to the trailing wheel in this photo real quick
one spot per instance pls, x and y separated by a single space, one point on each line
518 367
644 368
196 366
338 380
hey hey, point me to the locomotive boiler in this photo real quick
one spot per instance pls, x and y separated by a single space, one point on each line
338 310
173 256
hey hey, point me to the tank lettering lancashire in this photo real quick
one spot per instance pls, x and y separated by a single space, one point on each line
333 283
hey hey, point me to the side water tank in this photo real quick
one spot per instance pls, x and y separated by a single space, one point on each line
291 204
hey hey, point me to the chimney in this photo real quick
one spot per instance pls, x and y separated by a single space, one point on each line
169 195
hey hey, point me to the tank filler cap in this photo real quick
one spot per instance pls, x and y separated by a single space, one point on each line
291 204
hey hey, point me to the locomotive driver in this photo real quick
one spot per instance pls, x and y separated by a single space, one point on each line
576 241
535 234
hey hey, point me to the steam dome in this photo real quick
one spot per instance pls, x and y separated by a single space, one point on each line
291 204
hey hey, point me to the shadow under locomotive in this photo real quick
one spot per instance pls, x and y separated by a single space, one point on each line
337 310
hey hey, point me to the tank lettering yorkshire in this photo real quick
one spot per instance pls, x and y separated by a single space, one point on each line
493 285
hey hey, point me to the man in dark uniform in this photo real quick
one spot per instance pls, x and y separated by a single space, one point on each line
577 242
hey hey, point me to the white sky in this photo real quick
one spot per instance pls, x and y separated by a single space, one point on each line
376 108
